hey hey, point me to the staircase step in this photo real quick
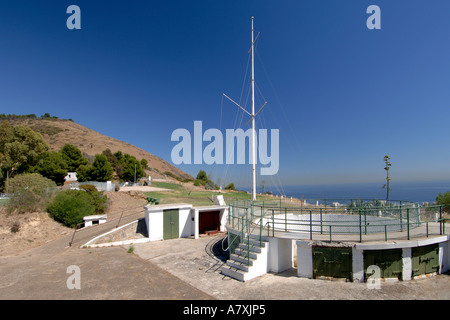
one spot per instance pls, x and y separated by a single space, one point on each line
241 264
234 273
256 242
253 248
244 253
242 259
238 265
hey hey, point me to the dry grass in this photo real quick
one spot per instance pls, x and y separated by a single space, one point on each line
57 133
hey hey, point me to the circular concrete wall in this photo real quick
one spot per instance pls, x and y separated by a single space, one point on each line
337 223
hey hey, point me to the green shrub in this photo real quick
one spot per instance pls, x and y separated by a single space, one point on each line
31 192
230 187
98 199
70 206
198 182
444 199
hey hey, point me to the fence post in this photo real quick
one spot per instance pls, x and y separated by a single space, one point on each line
273 224
251 215
310 224
365 221
401 219
321 222
120 218
285 219
440 221
73 235
407 219
360 227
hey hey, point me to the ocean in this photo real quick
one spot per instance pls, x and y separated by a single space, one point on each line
405 191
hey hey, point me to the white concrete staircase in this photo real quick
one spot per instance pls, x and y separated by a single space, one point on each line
248 261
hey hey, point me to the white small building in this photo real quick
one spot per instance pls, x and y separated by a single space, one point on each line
71 176
182 220
94 219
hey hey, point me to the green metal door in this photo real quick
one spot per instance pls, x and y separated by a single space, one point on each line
425 259
332 262
170 224
389 261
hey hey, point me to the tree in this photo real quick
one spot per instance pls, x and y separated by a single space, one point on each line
204 180
110 156
53 166
201 175
84 173
73 157
101 169
230 187
131 168
20 148
387 167
144 163
30 192
444 200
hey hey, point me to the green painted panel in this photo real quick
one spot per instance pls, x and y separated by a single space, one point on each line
425 259
170 224
389 261
333 262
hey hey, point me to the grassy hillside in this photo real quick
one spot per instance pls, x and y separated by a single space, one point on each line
185 193
58 132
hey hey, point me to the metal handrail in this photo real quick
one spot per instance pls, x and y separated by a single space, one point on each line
393 219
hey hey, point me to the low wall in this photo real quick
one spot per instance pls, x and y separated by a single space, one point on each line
305 255
340 223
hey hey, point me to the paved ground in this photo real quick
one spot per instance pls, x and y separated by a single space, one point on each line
191 261
173 269
108 273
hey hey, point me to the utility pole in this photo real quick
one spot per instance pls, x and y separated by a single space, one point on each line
388 165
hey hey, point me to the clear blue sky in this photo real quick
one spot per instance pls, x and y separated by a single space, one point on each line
341 95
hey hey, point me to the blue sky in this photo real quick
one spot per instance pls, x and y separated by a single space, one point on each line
341 95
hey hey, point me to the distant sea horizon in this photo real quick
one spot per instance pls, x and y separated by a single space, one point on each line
418 191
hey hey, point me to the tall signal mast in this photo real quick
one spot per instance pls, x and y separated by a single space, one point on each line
252 115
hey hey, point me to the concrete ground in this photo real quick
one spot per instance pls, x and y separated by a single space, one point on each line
191 261
106 274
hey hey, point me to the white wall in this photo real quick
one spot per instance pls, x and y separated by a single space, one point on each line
358 265
280 254
154 220
444 256
185 222
154 223
304 259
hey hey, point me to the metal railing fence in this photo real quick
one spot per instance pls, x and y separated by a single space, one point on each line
357 221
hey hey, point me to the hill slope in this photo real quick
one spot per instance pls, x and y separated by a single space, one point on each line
58 132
